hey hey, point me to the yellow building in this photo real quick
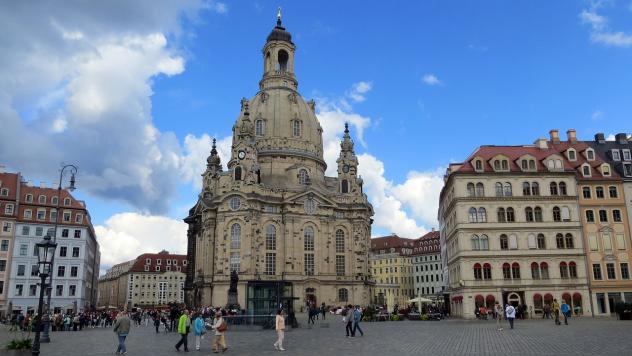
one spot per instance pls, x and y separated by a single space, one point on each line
392 270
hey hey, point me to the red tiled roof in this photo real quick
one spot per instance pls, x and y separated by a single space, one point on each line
384 242
163 256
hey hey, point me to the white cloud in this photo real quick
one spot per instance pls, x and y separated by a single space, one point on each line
593 19
599 25
611 137
617 39
358 91
124 236
195 152
597 115
431 79
77 84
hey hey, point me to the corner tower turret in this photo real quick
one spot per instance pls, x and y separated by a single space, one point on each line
348 166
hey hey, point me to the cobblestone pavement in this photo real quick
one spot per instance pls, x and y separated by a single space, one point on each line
585 336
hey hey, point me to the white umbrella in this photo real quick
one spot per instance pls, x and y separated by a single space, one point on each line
419 300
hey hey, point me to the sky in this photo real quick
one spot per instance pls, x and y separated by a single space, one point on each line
133 91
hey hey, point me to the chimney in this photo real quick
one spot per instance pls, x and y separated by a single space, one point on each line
541 143
621 138
42 184
600 137
571 134
555 136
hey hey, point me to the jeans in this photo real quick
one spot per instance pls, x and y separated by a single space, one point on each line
184 338
565 318
349 329
198 339
356 326
511 320
121 346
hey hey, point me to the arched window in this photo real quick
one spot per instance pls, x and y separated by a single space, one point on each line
476 243
482 215
235 236
505 165
613 192
308 236
569 241
487 271
238 173
526 188
478 271
479 165
283 58
41 199
508 191
501 215
296 128
541 241
535 270
66 201
504 242
586 170
54 200
270 237
480 190
557 214
544 270
29 198
553 188
340 241
259 127
599 192
531 165
515 270
506 271
525 164
528 212
496 165
586 192
572 269
563 270
472 213
303 177
484 242
343 295
511 217
562 187
499 189
559 240
470 190
344 186
535 188
537 214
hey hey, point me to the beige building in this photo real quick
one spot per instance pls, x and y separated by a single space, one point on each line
509 219
150 280
392 271
273 217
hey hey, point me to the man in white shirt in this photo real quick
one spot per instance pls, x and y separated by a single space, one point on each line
510 311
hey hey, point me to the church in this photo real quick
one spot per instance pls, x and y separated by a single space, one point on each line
288 234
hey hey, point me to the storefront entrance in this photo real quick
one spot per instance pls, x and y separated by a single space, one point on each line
264 298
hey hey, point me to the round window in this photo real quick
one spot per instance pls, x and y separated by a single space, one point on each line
310 206
235 203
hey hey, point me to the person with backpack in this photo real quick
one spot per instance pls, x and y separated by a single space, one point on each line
184 325
220 327
511 315
199 330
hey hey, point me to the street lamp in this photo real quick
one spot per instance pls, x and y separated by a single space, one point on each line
73 170
45 254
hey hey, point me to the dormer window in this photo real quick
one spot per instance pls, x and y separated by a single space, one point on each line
501 165
586 170
572 155
478 165
615 155
29 198
626 155
41 199
4 192
54 200
67 201
605 170
590 154
505 165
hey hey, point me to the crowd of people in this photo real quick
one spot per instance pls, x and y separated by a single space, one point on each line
511 313
65 321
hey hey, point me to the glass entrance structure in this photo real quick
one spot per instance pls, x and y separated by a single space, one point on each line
265 297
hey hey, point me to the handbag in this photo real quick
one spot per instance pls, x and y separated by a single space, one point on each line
223 327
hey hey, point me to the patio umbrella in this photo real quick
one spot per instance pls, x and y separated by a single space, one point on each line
419 300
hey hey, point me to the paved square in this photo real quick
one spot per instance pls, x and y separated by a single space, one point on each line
584 336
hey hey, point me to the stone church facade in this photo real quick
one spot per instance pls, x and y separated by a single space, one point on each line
292 234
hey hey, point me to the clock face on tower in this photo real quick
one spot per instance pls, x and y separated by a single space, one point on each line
345 168
241 154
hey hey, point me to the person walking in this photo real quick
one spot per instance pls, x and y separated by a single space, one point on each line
511 315
157 323
184 326
556 311
220 327
499 315
565 309
121 328
280 329
347 317
199 330
357 317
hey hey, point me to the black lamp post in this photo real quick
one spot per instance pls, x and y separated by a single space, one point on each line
45 254
73 171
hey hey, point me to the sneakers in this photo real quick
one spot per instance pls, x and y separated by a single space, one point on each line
281 349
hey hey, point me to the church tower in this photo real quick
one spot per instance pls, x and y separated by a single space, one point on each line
287 231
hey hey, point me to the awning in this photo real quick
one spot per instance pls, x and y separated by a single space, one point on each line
577 296
566 297
490 298
537 296
548 297
479 298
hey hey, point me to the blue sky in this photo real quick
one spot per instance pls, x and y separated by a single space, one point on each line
439 78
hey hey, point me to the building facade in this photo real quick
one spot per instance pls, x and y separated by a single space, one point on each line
77 257
287 230
511 230
150 280
9 183
391 269
427 267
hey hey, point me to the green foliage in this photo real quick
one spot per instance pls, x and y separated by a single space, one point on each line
424 317
369 314
20 344
394 317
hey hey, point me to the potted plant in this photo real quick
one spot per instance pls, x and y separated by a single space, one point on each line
20 346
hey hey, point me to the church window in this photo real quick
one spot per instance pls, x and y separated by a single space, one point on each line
235 236
340 241
309 264
340 265
237 173
270 237
308 236
234 261
345 186
235 203
303 177
296 128
283 60
259 127
343 294
270 263
310 206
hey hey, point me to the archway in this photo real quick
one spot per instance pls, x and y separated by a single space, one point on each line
514 299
